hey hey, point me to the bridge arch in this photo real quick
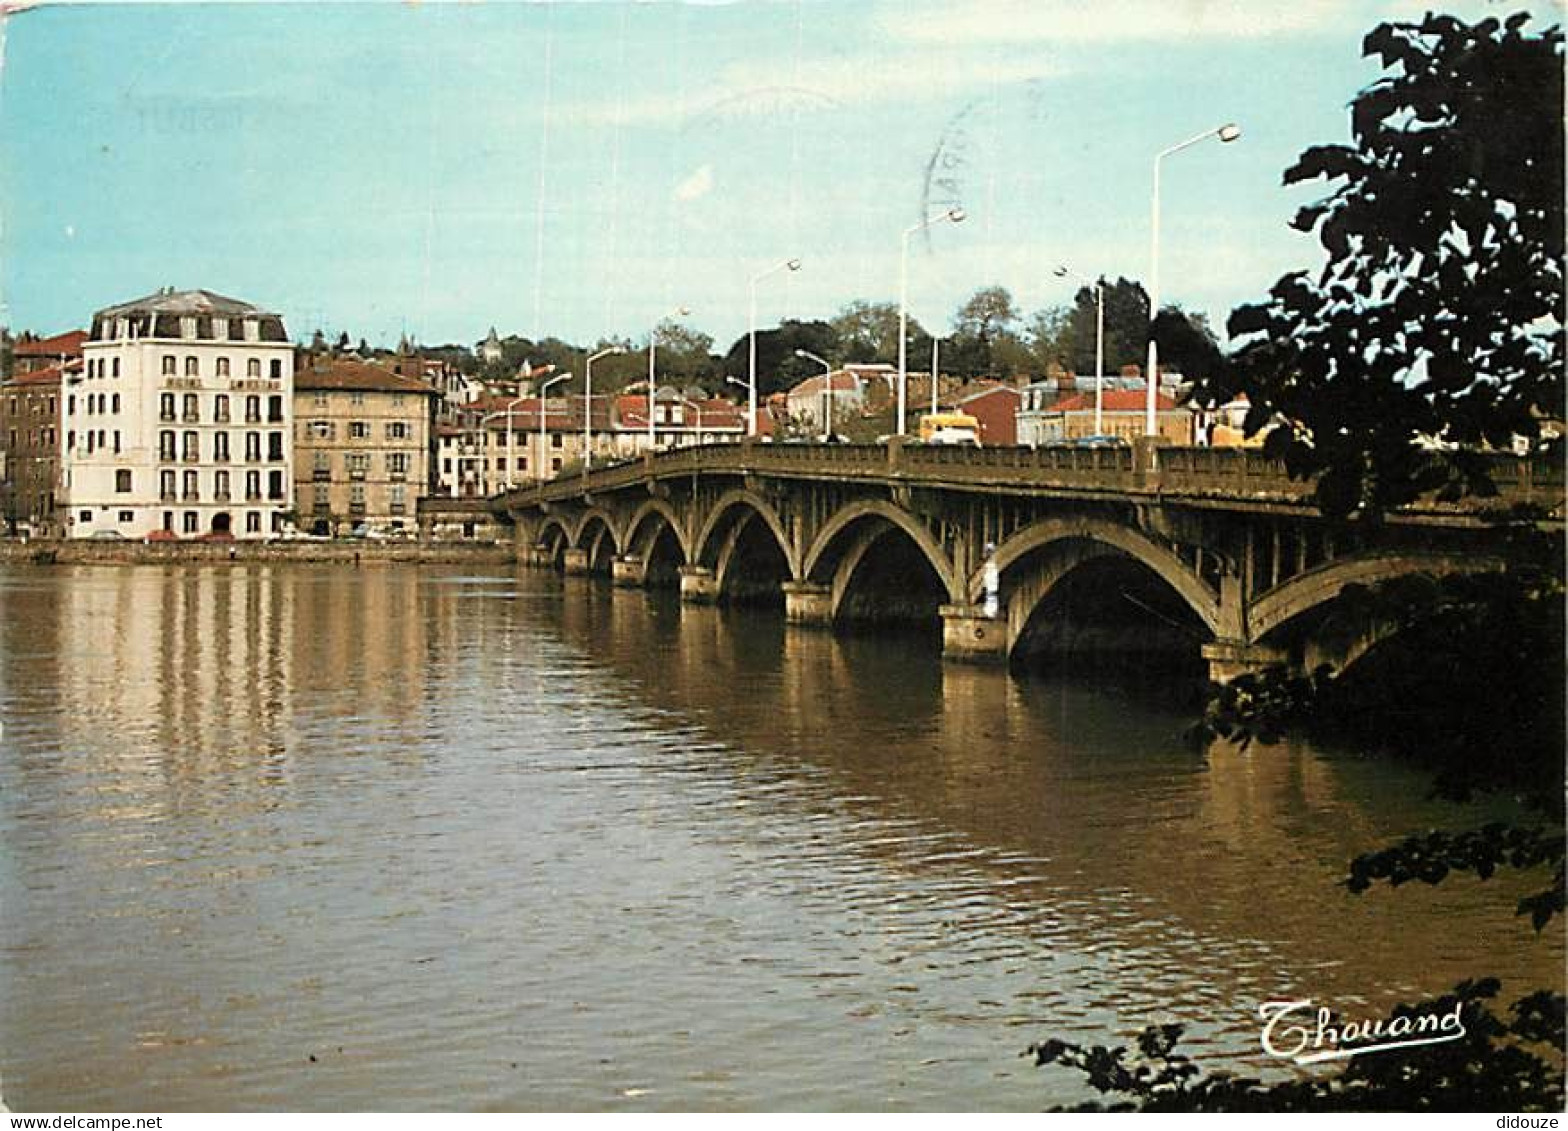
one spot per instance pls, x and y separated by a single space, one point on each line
1096 538
554 536
583 529
643 528
829 538
711 538
1322 584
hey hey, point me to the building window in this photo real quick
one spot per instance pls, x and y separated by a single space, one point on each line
127 516
192 367
253 484
276 369
122 481
275 446
114 367
358 430
85 516
321 467
275 409
220 447
446 467
356 498
397 501
166 485
253 367
356 397
192 408
253 447
220 486
190 447
252 522
89 443
190 522
116 441
555 440
114 403
397 430
70 405
321 400
274 484
252 410
190 492
321 429
358 464
223 367
397 465
166 406
220 408
322 502
168 365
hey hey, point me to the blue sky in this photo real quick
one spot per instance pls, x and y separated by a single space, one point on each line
583 169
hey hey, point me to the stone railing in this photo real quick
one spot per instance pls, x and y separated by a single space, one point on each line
1245 475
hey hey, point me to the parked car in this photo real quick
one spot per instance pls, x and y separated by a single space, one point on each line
161 536
107 536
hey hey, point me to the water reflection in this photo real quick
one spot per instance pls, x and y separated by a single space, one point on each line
508 841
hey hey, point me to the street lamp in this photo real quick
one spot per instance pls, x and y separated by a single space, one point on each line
1226 133
588 402
543 390
511 457
751 333
827 389
1064 272
956 215
653 338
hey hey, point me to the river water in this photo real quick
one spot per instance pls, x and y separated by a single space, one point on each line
403 837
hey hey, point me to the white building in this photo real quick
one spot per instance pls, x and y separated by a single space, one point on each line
180 420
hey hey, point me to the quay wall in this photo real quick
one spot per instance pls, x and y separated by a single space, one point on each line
40 551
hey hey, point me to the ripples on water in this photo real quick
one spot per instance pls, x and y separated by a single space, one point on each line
403 838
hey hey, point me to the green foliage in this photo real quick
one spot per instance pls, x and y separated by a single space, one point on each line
777 366
1438 313
868 332
1510 1063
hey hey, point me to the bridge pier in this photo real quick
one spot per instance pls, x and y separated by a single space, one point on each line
576 563
698 585
971 636
628 571
808 603
539 557
1229 659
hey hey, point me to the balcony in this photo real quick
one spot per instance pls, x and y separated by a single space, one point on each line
397 476
322 475
191 496
356 508
191 418
220 496
191 457
167 496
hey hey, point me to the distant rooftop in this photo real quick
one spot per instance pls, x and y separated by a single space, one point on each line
160 315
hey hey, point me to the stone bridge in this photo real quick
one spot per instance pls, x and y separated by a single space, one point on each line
1218 548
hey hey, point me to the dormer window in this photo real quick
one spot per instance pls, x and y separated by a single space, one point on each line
188 326
252 330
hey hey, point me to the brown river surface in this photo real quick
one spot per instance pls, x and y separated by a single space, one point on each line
404 837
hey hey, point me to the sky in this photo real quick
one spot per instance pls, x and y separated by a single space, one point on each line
585 169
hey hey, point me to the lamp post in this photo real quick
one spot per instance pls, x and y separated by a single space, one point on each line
956 215
751 333
653 339
588 402
543 390
1064 272
511 459
936 346
827 389
1226 133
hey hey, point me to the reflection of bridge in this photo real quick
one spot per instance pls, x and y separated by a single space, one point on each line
1224 537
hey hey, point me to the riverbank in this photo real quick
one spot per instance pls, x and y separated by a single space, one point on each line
88 552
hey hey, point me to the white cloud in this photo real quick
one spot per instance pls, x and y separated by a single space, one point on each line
696 186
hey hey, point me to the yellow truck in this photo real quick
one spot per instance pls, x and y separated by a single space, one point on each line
950 428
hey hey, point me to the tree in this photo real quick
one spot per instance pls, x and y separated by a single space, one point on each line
1436 315
685 354
1438 312
868 331
777 366
986 316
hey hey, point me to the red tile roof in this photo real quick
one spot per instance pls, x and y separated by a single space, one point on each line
50 375
69 344
357 376
1113 400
